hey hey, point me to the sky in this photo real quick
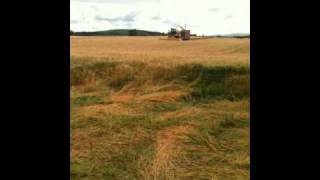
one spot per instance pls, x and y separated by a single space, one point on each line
202 17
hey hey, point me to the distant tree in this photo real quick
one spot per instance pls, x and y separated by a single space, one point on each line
71 32
133 32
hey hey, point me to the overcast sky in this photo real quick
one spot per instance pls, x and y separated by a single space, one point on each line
206 17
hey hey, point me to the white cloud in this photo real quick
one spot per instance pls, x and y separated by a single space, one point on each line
201 16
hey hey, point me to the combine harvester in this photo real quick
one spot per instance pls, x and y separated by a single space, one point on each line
183 34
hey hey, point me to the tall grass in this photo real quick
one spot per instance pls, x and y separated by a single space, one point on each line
231 82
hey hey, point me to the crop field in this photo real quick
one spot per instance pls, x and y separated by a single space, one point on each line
152 109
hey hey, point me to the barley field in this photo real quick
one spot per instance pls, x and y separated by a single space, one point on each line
153 109
215 51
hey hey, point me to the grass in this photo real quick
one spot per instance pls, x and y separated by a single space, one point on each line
87 100
139 118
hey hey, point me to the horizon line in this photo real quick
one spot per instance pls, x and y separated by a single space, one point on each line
247 33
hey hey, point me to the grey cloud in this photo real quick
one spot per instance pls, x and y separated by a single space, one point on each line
129 25
156 18
228 16
130 17
126 20
167 21
214 10
77 21
94 7
74 21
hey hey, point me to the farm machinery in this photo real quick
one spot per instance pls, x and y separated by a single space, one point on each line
182 34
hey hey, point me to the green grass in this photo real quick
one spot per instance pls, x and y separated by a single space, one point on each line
230 82
87 100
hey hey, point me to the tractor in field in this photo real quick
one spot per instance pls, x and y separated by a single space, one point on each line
182 34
